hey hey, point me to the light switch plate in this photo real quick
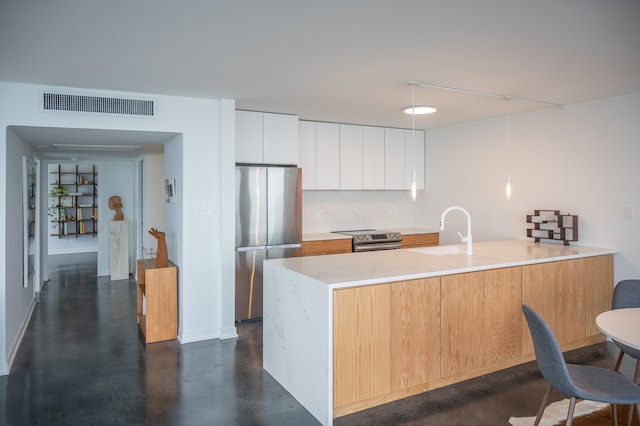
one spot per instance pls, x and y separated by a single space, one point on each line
629 213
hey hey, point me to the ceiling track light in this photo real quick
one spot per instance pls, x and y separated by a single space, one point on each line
475 92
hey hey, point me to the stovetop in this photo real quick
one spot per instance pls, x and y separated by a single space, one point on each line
371 235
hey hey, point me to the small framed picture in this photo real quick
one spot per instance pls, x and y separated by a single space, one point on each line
170 190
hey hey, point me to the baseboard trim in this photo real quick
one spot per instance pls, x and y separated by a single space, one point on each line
198 336
11 354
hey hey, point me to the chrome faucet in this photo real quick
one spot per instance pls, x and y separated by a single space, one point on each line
468 239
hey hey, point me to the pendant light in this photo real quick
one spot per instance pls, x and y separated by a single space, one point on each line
413 134
413 110
508 186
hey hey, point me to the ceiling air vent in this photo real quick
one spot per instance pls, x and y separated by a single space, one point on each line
97 104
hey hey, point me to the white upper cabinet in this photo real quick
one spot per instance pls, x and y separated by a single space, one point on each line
264 138
414 154
351 156
327 156
307 153
372 157
280 139
394 159
249 136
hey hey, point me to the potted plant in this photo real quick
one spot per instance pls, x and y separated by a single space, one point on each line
58 191
55 212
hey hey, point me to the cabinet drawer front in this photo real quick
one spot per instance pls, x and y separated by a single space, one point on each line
314 248
420 240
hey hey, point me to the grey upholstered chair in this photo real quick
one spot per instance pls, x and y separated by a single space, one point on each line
576 381
627 295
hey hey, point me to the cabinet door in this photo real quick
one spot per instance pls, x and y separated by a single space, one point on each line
249 137
599 289
414 154
327 156
415 338
361 339
570 301
350 156
462 321
502 315
373 157
394 159
280 139
307 153
539 292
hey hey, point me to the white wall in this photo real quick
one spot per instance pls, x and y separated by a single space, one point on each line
581 160
199 237
17 301
152 199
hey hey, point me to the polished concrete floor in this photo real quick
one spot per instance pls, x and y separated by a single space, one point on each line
81 362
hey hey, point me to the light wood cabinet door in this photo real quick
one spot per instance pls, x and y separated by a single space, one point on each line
361 341
502 314
350 156
462 310
539 292
599 289
373 157
570 301
415 336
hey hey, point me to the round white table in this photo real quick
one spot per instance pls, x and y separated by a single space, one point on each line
622 325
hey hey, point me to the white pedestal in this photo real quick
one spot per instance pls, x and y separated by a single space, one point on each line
119 250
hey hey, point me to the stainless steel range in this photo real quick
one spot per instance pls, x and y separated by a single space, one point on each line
371 239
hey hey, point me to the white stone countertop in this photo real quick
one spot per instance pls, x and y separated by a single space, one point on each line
318 236
354 269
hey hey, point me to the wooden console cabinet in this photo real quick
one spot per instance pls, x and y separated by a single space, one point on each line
157 301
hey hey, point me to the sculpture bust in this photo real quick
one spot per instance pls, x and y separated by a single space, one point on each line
115 203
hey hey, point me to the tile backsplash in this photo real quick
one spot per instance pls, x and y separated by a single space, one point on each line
324 211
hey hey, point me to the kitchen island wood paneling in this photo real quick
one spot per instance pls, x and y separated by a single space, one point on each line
346 332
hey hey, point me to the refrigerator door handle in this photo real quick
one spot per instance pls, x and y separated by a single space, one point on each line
284 246
251 248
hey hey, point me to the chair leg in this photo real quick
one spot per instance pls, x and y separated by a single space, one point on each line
543 404
636 379
619 361
614 415
572 407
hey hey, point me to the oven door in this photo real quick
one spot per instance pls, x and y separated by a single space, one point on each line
390 245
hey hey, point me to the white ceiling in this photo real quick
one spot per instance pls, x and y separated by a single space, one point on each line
336 60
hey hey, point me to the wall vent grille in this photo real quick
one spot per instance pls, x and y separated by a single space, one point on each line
82 103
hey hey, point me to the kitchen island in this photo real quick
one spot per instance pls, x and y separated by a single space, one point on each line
347 332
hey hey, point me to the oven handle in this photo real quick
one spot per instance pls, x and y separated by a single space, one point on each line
377 246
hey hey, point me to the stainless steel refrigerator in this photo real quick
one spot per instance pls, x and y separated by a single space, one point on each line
268 226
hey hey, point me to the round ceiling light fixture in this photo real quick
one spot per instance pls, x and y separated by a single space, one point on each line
420 109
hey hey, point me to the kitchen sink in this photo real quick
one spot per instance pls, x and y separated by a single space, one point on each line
441 250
